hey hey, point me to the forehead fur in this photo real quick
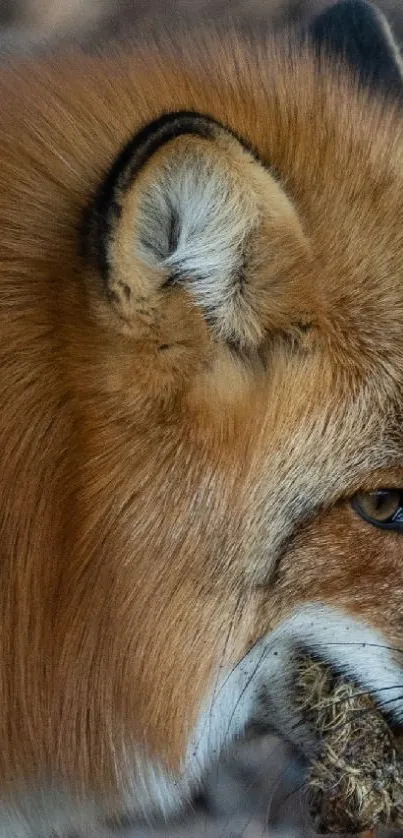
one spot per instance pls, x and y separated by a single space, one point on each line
337 154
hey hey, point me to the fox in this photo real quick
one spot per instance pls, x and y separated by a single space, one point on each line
201 367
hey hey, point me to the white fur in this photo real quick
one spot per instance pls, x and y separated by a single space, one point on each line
260 687
215 219
350 645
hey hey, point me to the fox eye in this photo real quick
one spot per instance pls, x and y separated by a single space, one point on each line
383 508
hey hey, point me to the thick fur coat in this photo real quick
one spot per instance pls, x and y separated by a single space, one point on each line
201 364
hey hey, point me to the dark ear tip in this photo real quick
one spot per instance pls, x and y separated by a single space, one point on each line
350 6
346 17
358 32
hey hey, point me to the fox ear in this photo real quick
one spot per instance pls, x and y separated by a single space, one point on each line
359 32
187 209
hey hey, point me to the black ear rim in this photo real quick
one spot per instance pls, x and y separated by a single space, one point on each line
104 212
102 216
358 33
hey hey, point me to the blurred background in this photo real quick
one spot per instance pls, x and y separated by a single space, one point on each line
47 16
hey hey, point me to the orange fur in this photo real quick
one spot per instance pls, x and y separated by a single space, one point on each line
145 496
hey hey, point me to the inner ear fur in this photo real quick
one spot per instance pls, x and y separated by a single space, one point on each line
189 212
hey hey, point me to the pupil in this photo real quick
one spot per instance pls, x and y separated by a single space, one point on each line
382 507
385 505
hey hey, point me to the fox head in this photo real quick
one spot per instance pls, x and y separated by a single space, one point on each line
201 346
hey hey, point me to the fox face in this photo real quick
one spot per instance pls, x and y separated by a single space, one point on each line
201 351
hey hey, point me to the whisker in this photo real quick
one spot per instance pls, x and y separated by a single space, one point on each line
391 700
290 794
246 687
218 689
374 709
384 689
353 711
257 779
270 644
371 693
363 645
274 788
237 665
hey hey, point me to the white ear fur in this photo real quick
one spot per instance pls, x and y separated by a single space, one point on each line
197 210
194 225
211 218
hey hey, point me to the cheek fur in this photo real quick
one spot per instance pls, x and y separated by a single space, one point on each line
345 562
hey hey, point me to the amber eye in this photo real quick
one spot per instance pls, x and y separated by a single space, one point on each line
383 508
